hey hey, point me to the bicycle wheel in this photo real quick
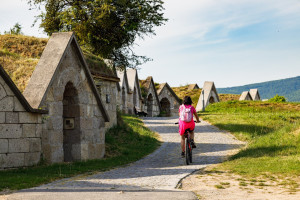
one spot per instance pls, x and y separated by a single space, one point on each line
187 151
191 154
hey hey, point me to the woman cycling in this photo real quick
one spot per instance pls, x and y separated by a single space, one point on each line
186 110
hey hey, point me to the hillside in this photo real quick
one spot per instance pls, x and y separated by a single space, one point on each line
290 88
183 91
20 54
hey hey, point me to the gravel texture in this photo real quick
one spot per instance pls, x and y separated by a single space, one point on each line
156 176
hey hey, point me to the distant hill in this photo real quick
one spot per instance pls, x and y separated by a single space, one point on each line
289 87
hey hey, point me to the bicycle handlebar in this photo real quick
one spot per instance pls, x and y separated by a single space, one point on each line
178 122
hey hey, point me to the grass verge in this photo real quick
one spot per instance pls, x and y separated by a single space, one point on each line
272 131
124 144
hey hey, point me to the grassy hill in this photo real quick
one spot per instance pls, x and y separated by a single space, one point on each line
183 91
20 54
272 131
290 88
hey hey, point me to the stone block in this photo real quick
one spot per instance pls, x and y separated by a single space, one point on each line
17 105
7 104
14 160
12 117
55 108
54 123
35 145
28 118
96 123
39 130
84 148
86 123
76 152
3 161
90 111
58 93
18 145
3 146
2 92
55 137
10 131
2 117
57 153
88 136
31 159
97 112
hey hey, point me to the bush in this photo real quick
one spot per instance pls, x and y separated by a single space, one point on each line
277 99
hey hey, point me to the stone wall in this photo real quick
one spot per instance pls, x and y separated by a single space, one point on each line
154 104
20 131
174 104
108 90
89 123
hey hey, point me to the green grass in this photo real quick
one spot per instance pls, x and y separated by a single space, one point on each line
272 133
124 144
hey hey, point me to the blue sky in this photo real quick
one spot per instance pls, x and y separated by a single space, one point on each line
230 42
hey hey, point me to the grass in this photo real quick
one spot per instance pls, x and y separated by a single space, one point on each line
124 144
272 131
19 54
183 91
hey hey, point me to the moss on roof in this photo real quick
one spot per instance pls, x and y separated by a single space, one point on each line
20 54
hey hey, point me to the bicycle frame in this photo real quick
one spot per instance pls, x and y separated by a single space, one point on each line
188 147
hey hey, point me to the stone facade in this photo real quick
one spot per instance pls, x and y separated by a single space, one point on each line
208 95
169 101
255 94
107 88
245 96
74 128
135 97
123 96
151 102
20 127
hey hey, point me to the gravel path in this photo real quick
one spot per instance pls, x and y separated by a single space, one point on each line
153 177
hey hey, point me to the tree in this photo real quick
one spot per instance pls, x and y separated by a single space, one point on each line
108 28
15 30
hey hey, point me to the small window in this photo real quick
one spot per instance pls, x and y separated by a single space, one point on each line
107 98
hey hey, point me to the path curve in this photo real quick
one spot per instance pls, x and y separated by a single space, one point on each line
153 177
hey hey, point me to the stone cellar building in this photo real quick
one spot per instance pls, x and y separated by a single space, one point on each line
151 101
169 101
124 93
208 95
245 96
107 84
20 127
135 98
254 94
60 118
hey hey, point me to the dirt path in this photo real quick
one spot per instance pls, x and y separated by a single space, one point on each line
154 177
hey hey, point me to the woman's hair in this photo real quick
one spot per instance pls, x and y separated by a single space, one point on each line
187 100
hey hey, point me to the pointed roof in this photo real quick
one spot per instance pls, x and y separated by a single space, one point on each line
146 84
208 86
254 94
17 93
122 75
133 79
245 96
193 86
166 85
47 68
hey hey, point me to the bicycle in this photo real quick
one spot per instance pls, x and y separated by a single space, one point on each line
188 146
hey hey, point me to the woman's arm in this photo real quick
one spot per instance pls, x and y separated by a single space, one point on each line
197 118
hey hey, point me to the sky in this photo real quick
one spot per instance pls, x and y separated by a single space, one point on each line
230 42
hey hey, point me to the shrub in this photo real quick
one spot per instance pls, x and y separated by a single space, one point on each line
277 99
